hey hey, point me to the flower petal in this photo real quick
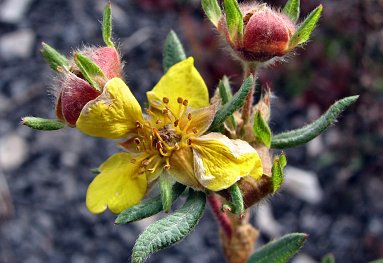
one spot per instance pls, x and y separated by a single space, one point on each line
118 186
181 80
113 115
219 162
181 168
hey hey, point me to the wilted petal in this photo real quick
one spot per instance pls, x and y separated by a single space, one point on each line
219 162
200 119
113 115
118 186
181 80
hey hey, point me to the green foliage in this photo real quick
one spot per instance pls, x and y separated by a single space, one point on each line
226 95
279 251
173 51
262 130
291 9
166 191
147 208
212 10
277 171
236 199
234 19
235 104
107 25
303 135
306 28
329 258
42 124
377 261
53 57
89 70
171 229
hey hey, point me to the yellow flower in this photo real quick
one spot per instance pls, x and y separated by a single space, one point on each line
169 137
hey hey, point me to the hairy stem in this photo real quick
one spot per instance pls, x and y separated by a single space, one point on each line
222 217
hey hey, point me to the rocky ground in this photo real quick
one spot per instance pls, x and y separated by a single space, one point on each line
334 185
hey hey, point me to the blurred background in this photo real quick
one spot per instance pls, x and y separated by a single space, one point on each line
334 185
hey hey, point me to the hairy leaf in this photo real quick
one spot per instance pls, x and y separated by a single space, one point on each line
306 28
147 208
277 171
107 25
42 124
212 10
234 19
291 9
262 130
279 251
235 104
171 229
173 51
226 95
91 72
303 135
53 57
166 191
236 199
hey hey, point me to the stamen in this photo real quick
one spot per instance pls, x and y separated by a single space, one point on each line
137 141
165 100
151 170
185 103
158 122
189 116
194 129
179 100
141 170
189 141
148 111
176 146
167 165
139 125
155 132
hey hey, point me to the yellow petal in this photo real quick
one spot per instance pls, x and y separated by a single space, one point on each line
113 114
181 168
118 186
219 162
181 80
201 119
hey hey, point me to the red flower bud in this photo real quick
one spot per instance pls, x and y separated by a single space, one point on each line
266 33
74 91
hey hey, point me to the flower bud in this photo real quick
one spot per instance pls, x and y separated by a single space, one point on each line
266 33
74 88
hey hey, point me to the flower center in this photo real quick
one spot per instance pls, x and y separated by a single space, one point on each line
165 132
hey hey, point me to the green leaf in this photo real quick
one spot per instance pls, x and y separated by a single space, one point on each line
279 250
235 104
236 199
329 258
291 9
147 208
95 171
226 95
303 135
212 10
53 57
171 229
282 160
377 261
277 174
306 28
107 25
173 51
91 72
166 191
234 19
262 130
42 124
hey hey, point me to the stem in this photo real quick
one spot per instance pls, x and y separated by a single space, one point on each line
249 68
221 216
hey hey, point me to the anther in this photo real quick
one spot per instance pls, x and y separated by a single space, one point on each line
139 125
165 111
141 170
185 103
189 142
176 123
165 100
137 141
176 146
179 100
158 121
145 162
194 129
189 116
166 166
